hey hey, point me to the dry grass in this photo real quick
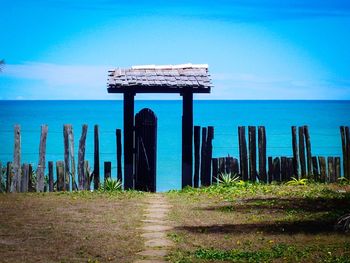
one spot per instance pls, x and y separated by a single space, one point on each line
70 227
258 222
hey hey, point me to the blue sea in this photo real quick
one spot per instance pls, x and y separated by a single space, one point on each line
322 117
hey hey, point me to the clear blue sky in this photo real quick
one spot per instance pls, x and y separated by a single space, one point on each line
256 49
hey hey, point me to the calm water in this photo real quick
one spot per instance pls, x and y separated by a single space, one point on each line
323 118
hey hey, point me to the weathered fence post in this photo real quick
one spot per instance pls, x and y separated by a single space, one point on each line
96 159
214 175
337 168
235 166
1 190
119 154
40 172
228 164
315 168
107 170
262 153
25 178
81 157
203 157
323 171
345 152
270 169
222 169
330 161
283 169
66 186
60 172
308 151
347 138
50 176
276 169
252 153
295 152
302 152
9 176
243 153
72 158
87 175
209 154
16 182
196 138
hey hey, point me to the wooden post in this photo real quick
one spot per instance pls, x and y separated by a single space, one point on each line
308 151
203 157
262 153
270 169
215 171
235 166
345 152
9 176
107 170
60 173
1 190
128 140
331 175
40 172
347 138
290 169
51 176
315 168
196 138
72 158
302 153
276 170
31 186
187 134
222 169
119 155
16 182
252 153
81 158
96 158
337 168
228 164
87 175
25 178
283 169
323 171
66 186
209 154
295 152
243 153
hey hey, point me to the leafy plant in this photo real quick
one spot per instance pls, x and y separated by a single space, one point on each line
111 185
343 181
296 181
227 179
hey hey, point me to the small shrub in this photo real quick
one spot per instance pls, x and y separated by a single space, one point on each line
227 179
111 185
296 181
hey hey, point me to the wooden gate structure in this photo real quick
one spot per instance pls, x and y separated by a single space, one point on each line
184 79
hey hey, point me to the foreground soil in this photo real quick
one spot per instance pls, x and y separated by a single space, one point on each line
70 227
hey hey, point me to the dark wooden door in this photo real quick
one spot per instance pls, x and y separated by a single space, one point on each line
146 150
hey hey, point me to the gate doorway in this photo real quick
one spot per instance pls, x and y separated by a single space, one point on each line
145 150
185 79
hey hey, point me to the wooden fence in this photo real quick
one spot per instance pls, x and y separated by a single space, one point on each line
23 178
252 164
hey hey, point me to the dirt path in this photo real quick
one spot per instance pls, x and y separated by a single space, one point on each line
156 243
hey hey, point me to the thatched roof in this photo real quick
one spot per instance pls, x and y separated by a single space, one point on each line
160 79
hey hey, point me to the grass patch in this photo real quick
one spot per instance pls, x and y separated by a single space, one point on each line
260 223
